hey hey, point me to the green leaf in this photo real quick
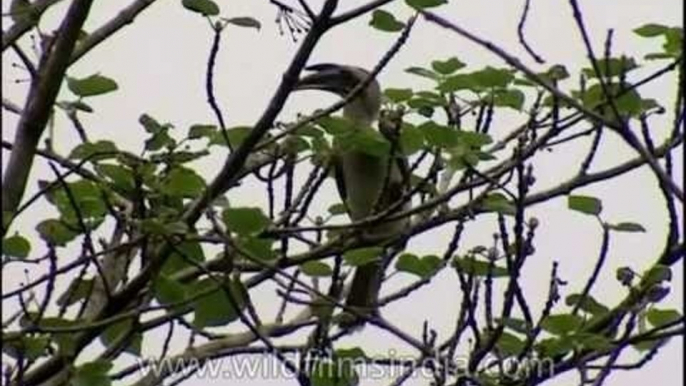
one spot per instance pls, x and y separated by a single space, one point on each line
316 269
423 4
121 330
585 204
423 72
659 318
448 66
88 198
458 82
83 196
246 220
150 124
509 344
629 103
562 324
658 56
651 30
121 177
184 255
398 95
368 141
7 218
21 11
55 232
646 345
474 139
244 21
494 77
158 226
259 248
648 104
657 274
336 126
183 182
515 324
94 151
309 131
385 21
552 347
472 266
591 341
464 155
557 72
411 139
65 341
294 145
16 246
34 347
627 227
236 136
498 202
216 308
202 131
425 111
77 105
423 267
168 291
92 374
24 346
95 84
337 209
439 135
434 98
609 67
587 304
675 42
508 98
78 289
178 157
362 256
486 79
82 106
352 353
203 7
159 140
422 103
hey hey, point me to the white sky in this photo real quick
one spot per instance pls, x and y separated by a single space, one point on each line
159 64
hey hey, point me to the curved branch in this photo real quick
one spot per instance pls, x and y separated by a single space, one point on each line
236 159
124 17
25 24
588 113
39 102
359 11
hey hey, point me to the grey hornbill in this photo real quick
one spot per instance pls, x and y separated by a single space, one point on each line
367 183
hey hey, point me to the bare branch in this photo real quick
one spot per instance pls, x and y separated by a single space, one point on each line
39 102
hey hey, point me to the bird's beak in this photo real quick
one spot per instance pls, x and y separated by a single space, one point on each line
326 77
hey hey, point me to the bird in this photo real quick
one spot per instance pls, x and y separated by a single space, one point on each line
366 182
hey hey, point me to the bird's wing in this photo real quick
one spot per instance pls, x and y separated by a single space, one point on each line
397 184
340 180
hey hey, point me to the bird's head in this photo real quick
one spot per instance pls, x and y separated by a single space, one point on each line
340 80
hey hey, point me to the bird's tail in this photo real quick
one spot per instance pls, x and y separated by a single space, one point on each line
363 295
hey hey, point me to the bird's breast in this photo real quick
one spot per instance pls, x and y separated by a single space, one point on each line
368 188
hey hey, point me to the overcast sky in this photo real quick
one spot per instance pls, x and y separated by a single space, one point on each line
159 65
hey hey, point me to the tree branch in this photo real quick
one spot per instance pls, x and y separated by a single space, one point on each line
39 102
